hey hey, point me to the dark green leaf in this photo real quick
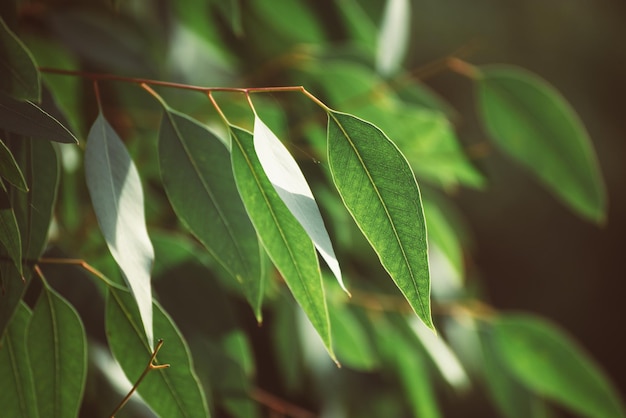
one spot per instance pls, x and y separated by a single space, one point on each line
284 239
9 231
57 349
379 189
117 198
547 361
19 77
28 119
17 393
33 211
530 121
9 169
172 392
198 179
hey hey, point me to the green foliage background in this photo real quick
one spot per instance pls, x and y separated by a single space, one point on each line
516 241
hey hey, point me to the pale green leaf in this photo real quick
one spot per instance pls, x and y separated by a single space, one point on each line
9 169
198 179
57 349
530 121
393 38
291 185
171 392
17 393
19 77
28 119
547 361
379 189
117 198
286 242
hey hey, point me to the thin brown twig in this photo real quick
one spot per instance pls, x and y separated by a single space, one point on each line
279 405
151 366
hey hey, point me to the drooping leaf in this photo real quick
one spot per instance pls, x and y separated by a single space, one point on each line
117 198
379 189
10 238
9 169
530 121
57 349
289 182
28 119
33 212
19 77
198 179
17 393
548 362
284 239
171 392
393 38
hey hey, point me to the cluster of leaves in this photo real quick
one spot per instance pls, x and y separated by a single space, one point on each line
222 212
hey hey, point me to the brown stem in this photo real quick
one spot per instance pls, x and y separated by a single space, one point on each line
279 405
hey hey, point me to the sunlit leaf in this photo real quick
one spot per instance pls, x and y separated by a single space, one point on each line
57 349
393 38
19 77
284 239
171 392
547 361
28 119
379 189
17 393
289 182
33 212
530 121
9 231
198 179
117 198
9 169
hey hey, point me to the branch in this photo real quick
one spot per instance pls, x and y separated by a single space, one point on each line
280 405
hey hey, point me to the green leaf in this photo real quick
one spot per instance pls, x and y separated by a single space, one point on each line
33 212
284 239
379 189
9 169
117 198
351 340
530 121
57 349
547 361
289 182
19 77
28 119
198 179
9 231
171 392
17 393
393 38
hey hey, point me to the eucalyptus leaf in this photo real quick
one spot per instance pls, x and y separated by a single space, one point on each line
393 38
170 392
17 392
379 190
10 238
9 170
28 119
198 179
291 185
286 242
530 121
548 362
19 77
57 349
117 198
